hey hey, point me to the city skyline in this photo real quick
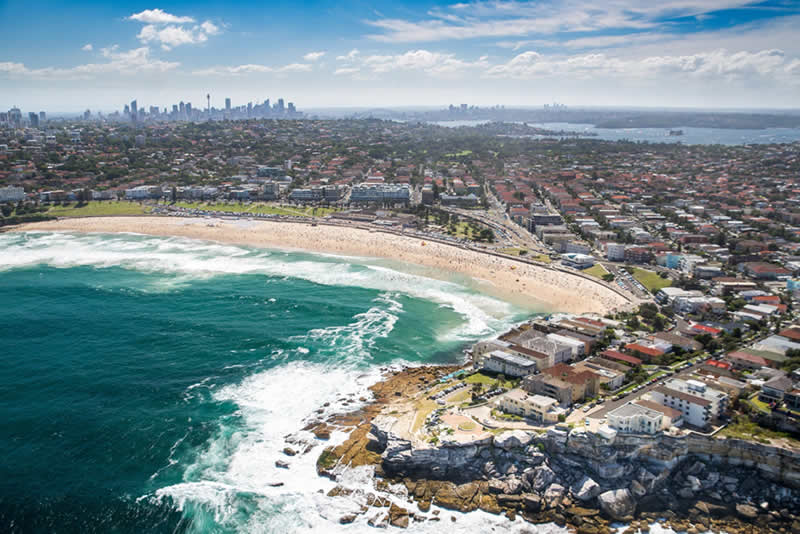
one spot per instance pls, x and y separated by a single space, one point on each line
722 53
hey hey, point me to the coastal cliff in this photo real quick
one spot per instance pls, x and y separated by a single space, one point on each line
586 480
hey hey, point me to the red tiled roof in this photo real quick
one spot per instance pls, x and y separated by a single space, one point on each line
621 356
647 351
791 333
707 329
747 357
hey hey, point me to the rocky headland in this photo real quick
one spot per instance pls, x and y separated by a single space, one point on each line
569 476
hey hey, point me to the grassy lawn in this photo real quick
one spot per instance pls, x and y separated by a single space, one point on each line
651 280
97 209
759 404
524 253
743 428
459 154
259 207
422 409
460 396
597 270
514 251
488 380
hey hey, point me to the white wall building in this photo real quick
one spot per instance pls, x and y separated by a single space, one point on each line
631 418
699 404
539 407
11 194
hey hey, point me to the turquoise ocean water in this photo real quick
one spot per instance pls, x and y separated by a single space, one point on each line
148 384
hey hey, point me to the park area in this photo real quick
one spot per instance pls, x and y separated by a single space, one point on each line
650 279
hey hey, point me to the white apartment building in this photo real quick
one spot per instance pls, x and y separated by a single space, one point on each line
11 194
508 364
699 404
577 347
631 418
559 352
615 251
539 407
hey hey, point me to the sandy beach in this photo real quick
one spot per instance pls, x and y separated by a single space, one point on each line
543 288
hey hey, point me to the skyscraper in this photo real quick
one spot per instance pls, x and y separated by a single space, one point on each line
15 117
33 118
42 117
280 105
134 110
227 104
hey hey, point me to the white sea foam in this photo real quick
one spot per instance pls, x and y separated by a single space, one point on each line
191 259
236 471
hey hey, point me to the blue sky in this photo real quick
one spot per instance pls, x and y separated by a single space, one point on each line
701 53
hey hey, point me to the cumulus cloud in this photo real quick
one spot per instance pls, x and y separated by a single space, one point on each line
252 69
159 16
719 64
125 63
434 63
313 56
350 56
87 47
170 30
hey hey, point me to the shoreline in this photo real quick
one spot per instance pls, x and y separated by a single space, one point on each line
532 286
550 478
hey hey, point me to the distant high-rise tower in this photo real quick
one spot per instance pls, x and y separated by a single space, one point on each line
134 110
208 98
33 118
42 117
15 117
227 104
182 108
280 105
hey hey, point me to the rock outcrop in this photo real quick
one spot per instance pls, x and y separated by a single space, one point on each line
573 476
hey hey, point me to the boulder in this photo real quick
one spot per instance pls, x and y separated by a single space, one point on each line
637 489
531 502
379 520
553 495
398 517
617 504
514 486
288 451
746 511
282 464
498 486
541 477
585 489
512 439
347 519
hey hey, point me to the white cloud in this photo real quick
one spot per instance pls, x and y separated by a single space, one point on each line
209 28
313 56
252 69
346 70
350 56
171 35
159 16
169 31
500 18
87 47
718 64
433 63
131 62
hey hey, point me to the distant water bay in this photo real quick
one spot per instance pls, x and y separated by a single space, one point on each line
691 136
147 384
